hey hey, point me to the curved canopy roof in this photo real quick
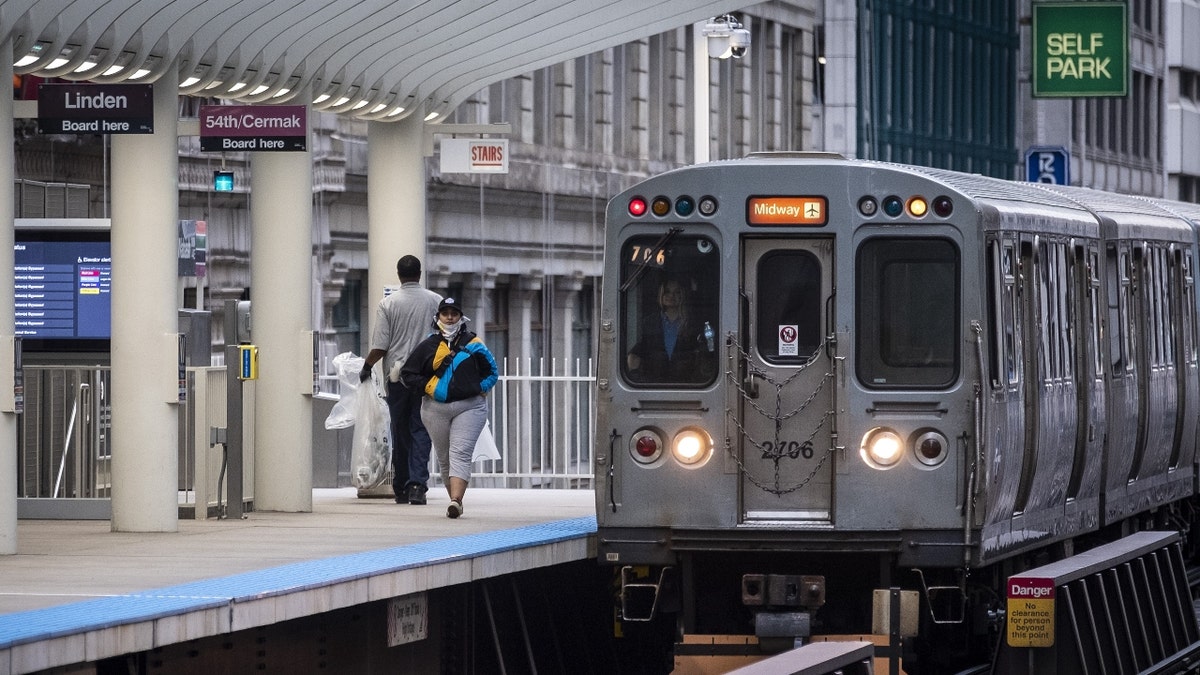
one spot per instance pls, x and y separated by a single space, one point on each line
372 59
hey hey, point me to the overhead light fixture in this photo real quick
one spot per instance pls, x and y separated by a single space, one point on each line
236 87
86 66
189 82
377 108
25 60
57 63
137 75
360 105
114 70
282 92
321 99
431 116
397 111
726 37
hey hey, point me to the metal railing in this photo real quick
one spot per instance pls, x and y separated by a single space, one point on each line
542 415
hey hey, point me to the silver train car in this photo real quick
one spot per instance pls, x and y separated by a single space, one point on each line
822 377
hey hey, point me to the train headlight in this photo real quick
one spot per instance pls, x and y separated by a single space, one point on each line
646 446
708 206
691 446
931 447
882 447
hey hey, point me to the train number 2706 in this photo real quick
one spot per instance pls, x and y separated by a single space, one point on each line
793 449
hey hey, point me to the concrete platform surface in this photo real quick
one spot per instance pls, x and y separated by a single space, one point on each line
63 561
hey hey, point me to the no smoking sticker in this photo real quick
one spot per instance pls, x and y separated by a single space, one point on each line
787 340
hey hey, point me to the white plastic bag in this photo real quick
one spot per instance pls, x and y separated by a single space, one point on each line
371 452
485 445
347 366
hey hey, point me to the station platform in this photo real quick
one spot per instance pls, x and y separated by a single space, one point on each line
76 591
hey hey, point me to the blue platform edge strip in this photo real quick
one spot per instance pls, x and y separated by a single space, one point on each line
87 615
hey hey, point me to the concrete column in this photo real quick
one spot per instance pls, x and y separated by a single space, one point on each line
145 373
281 249
475 301
395 202
520 350
8 417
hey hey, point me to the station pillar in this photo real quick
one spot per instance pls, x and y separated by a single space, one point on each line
395 203
8 417
145 345
281 307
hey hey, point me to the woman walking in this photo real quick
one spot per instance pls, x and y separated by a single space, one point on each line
455 370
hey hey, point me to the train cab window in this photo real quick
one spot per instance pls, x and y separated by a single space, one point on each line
670 335
906 329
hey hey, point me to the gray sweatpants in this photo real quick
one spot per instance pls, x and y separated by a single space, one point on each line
454 428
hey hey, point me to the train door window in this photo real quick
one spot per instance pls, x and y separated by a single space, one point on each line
1117 294
1188 329
669 332
789 287
907 323
1093 300
1001 310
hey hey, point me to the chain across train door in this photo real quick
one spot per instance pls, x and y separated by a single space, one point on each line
782 380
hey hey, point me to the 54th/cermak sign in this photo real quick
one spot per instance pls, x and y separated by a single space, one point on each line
1080 49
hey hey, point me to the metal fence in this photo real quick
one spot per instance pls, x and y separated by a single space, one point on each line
542 418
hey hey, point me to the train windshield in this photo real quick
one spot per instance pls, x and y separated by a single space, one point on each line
669 331
907 306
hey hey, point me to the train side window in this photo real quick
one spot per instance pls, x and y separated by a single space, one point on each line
669 318
789 294
907 325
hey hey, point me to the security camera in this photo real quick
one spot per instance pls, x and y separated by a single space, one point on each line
726 37
739 41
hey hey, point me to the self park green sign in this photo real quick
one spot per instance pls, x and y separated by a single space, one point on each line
1080 49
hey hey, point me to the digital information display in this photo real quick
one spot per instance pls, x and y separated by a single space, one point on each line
63 289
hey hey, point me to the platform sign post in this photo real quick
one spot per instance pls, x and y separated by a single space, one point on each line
1030 612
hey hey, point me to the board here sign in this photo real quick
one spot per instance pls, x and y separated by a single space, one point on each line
1080 49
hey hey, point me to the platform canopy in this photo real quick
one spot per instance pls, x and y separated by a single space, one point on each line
370 59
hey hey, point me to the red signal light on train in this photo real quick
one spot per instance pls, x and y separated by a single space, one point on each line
646 446
637 206
943 206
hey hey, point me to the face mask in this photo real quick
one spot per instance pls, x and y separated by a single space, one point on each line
449 330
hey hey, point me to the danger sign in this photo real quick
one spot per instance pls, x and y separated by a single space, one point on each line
787 340
1030 612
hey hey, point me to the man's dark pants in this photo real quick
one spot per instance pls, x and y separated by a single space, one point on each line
410 441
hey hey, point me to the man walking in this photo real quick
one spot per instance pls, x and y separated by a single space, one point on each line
402 320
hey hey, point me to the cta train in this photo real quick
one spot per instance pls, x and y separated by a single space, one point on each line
824 378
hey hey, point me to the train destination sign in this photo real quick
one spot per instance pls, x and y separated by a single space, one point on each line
253 128
805 211
1030 612
96 109
1080 49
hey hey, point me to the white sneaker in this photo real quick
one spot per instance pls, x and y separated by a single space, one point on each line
454 510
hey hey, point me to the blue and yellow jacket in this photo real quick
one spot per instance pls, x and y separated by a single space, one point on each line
450 371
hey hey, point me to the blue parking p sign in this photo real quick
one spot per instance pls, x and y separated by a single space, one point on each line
1048 165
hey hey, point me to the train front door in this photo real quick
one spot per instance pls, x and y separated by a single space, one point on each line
785 390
